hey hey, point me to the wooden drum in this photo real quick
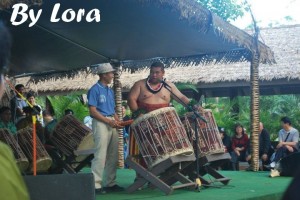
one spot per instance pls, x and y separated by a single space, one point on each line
43 160
21 159
70 134
210 141
160 135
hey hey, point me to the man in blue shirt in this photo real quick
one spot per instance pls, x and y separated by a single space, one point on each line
105 121
17 104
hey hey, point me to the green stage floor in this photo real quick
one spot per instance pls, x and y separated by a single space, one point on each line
243 185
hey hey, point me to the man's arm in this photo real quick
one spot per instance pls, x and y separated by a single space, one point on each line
133 96
98 116
176 92
266 143
291 144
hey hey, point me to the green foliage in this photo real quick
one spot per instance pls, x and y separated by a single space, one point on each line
272 109
226 9
222 109
180 109
186 86
61 103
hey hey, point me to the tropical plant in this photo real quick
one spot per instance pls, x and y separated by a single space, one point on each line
61 103
272 109
180 109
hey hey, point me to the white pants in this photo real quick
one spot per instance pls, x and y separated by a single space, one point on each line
106 155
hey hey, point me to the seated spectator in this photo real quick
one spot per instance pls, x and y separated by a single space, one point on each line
265 148
69 112
5 120
50 123
239 146
88 121
288 141
27 121
31 99
56 154
227 144
225 139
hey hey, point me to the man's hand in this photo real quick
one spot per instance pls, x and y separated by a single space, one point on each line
118 124
289 148
237 152
114 124
248 158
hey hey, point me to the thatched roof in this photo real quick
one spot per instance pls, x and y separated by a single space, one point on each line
9 3
283 40
178 32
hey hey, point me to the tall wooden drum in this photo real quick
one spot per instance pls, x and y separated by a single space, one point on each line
70 134
210 141
160 135
21 159
25 140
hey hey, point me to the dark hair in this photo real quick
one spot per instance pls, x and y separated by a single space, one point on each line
69 112
29 110
286 120
47 112
239 125
222 130
5 44
158 64
3 109
30 94
19 86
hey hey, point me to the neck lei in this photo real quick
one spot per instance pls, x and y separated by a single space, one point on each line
153 90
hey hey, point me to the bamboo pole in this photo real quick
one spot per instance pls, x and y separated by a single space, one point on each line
254 79
254 112
34 143
118 99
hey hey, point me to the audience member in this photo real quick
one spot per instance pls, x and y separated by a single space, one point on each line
69 112
27 122
288 141
265 148
31 99
17 104
5 120
239 146
50 123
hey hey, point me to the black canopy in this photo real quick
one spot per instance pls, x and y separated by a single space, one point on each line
130 31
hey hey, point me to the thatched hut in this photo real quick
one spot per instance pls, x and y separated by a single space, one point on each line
212 80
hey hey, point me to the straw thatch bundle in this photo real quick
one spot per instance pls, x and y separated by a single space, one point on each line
283 40
9 3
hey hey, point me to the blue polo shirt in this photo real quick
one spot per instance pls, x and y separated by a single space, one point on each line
102 97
